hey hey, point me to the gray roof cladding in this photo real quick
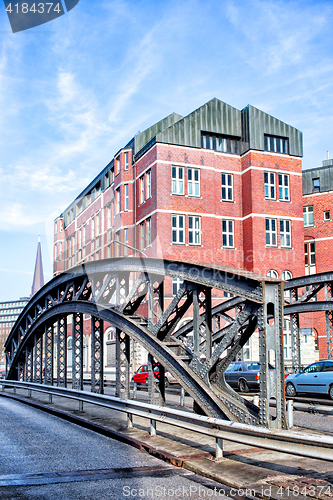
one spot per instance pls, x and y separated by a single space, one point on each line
250 125
324 174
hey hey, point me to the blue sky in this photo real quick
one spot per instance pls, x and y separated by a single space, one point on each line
75 90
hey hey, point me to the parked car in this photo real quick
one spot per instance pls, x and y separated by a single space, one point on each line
2 374
316 378
244 375
141 375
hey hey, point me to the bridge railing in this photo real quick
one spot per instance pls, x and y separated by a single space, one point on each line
295 443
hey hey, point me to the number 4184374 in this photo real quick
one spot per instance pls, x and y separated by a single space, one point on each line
35 7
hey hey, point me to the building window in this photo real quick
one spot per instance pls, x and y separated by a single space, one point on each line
316 184
286 275
117 166
327 215
269 178
177 180
194 230
117 244
227 187
310 254
271 232
285 233
176 282
148 184
118 201
276 144
272 274
308 216
284 187
126 241
287 339
126 197
193 182
148 232
228 233
221 143
126 161
142 188
142 235
178 224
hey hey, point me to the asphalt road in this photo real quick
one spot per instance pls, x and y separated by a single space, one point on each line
42 457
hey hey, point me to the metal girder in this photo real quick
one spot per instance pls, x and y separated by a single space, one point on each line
62 351
48 350
77 352
38 362
329 321
97 377
122 364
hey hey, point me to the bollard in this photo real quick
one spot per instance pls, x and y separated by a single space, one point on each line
182 396
218 449
129 420
80 405
152 430
290 413
134 390
256 400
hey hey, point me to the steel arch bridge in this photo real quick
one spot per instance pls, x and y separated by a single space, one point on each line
223 308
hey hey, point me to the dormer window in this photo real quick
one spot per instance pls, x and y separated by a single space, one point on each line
221 143
276 144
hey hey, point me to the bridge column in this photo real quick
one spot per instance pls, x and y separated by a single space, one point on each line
295 338
77 352
122 364
48 350
97 375
62 351
270 323
38 361
329 321
28 364
156 386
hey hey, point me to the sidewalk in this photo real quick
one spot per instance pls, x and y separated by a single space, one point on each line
248 470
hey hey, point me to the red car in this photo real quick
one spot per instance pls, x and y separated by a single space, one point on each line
141 375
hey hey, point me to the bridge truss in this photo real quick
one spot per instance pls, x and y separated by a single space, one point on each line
221 309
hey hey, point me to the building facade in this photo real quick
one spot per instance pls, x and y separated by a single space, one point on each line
219 186
9 312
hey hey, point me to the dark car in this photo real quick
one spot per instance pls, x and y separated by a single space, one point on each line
316 378
244 375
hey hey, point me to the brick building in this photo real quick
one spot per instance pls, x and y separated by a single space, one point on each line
219 186
318 236
9 312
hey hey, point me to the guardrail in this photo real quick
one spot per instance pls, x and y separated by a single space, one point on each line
296 443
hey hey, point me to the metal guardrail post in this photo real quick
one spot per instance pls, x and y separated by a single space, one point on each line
80 405
3 388
14 390
135 390
152 430
29 393
182 396
218 449
129 420
256 400
290 413
50 398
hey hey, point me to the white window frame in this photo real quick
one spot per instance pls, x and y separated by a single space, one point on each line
306 216
310 254
148 232
178 229
142 188
327 215
126 161
148 184
194 230
177 180
269 181
176 284
271 232
142 235
228 233
285 233
193 185
126 241
286 275
118 200
284 190
126 197
272 274
227 185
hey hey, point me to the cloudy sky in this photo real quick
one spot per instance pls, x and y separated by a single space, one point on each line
75 90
